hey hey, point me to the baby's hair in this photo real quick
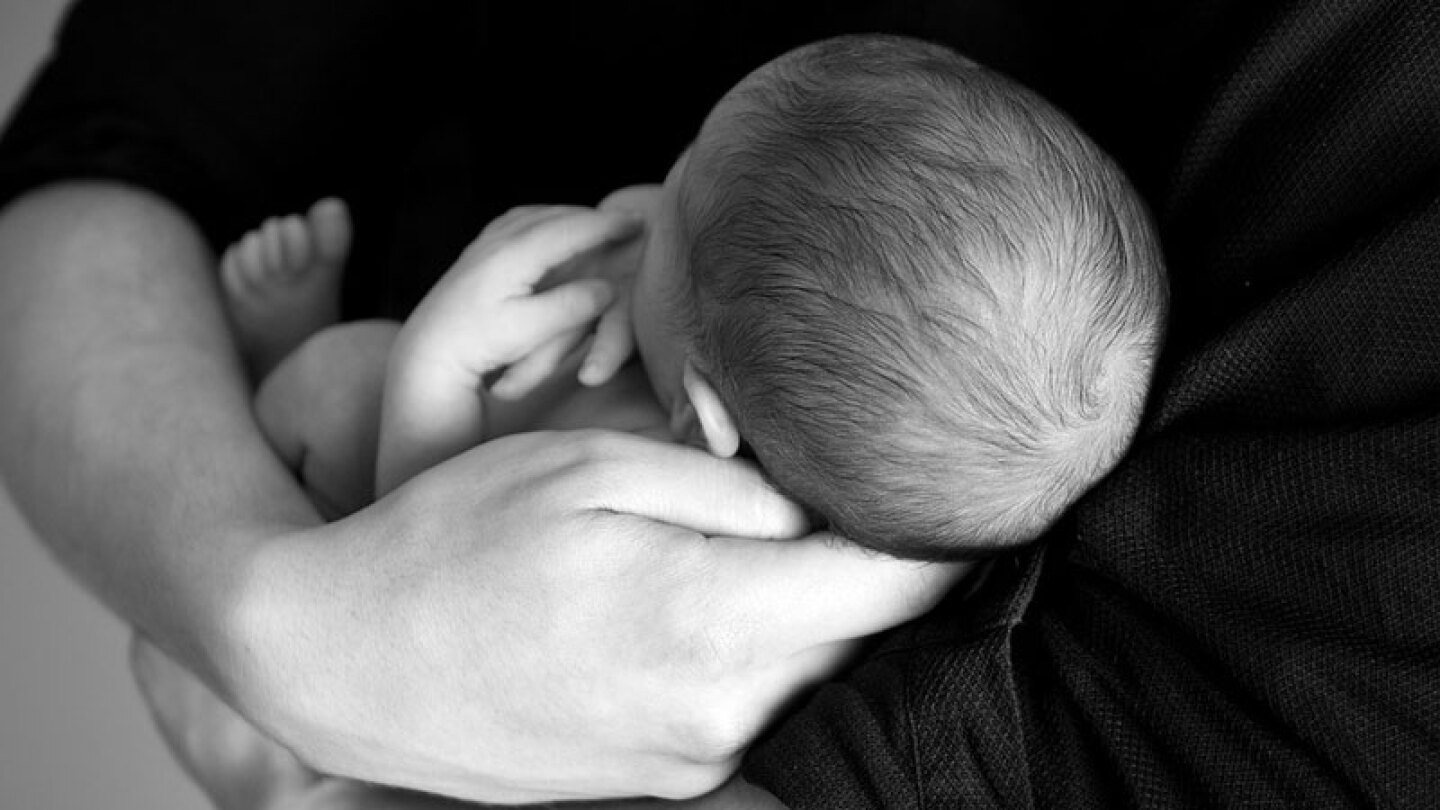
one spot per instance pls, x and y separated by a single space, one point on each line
930 302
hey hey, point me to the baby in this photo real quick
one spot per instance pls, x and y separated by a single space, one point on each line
925 303
911 288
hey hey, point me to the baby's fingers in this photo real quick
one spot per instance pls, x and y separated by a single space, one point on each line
546 314
536 324
521 217
613 345
522 253
525 374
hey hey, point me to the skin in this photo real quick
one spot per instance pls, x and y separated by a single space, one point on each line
661 346
482 317
486 301
127 439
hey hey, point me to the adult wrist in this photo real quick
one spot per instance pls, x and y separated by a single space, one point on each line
258 650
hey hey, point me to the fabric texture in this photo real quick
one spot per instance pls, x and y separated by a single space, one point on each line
1244 614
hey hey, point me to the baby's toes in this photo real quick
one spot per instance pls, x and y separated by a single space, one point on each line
250 260
330 228
296 245
232 278
272 251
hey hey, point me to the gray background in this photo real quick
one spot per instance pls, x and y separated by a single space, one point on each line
73 733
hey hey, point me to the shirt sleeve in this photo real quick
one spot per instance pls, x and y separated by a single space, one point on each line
233 110
1245 612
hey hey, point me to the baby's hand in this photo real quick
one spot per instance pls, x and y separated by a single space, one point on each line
614 341
492 305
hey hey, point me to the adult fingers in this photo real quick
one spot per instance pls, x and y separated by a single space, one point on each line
822 589
683 486
344 794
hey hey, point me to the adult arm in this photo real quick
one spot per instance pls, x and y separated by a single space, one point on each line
129 443
126 431
517 610
112 348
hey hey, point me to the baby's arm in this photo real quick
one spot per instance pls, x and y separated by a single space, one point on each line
486 315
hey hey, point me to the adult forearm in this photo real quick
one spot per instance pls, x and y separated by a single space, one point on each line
125 428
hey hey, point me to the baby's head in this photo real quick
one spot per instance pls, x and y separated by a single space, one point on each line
924 299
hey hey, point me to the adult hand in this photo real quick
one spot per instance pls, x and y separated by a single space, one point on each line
241 769
238 767
556 616
342 794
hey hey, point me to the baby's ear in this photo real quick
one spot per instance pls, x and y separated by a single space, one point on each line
713 419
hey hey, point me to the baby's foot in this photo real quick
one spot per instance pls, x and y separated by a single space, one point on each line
282 282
